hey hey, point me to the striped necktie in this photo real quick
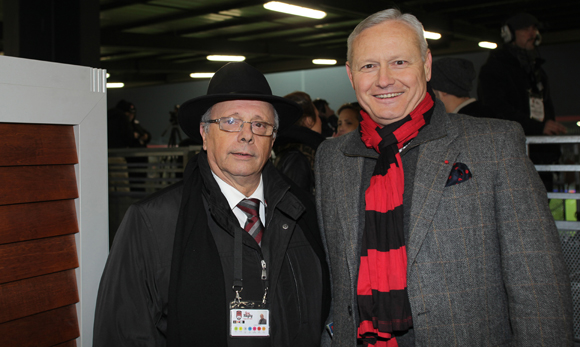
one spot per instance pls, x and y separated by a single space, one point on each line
254 227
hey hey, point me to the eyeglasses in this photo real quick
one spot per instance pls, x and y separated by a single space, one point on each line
235 125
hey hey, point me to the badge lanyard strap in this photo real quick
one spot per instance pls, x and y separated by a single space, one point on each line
238 279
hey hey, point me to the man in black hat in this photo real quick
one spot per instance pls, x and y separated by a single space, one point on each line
513 83
200 262
452 80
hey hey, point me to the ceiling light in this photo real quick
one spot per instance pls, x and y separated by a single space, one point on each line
578 124
115 85
201 75
226 57
324 61
431 35
295 10
108 75
487 44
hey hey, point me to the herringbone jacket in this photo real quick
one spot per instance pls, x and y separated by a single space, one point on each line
485 266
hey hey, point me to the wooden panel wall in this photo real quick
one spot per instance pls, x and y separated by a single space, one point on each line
38 287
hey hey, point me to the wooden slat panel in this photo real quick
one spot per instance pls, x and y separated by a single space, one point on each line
71 343
37 220
38 294
37 144
41 330
22 184
37 257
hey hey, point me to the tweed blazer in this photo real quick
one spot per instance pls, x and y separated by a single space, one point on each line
485 266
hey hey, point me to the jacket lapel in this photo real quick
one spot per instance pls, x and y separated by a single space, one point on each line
436 158
351 176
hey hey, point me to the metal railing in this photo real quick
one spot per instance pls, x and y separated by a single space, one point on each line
568 229
138 172
135 173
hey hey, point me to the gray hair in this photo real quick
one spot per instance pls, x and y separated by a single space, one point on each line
207 116
384 16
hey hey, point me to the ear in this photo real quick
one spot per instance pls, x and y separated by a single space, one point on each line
308 122
203 136
271 146
349 73
428 62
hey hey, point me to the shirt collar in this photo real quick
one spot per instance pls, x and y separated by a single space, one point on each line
463 104
234 196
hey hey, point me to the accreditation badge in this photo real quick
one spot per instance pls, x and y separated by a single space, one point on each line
249 322
537 108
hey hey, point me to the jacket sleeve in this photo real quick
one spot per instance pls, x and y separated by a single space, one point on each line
496 90
326 340
533 269
128 310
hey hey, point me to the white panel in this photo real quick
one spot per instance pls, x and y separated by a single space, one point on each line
48 93
93 212
28 72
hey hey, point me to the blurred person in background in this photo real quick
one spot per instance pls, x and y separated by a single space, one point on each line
348 118
513 83
296 146
329 119
125 131
452 80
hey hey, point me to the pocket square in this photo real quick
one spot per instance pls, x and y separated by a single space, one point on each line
459 173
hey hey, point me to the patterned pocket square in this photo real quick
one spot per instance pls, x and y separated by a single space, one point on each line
459 173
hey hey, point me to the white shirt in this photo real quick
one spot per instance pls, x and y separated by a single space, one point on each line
463 104
233 196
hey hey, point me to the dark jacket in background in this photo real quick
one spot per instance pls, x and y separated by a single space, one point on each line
329 125
504 86
295 149
477 109
121 131
134 294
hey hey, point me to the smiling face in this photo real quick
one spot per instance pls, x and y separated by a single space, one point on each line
347 121
387 71
238 157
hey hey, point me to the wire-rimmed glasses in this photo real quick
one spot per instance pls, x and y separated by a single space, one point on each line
234 125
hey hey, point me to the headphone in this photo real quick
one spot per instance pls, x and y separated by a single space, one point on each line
508 36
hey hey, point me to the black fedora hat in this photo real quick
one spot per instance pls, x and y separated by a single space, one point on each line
235 81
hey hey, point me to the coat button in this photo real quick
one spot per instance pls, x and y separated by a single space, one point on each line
285 226
349 310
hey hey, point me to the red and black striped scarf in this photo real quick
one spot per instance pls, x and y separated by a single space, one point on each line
382 278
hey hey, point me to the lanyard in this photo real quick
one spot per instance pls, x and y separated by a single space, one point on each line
238 285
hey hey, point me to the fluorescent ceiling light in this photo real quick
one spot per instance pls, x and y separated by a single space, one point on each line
202 75
431 35
486 44
324 61
115 85
295 10
226 57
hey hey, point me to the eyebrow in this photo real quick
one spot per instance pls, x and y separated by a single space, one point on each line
253 118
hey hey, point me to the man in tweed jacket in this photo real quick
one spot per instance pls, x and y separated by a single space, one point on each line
484 263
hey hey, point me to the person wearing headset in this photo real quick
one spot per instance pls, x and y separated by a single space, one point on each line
513 83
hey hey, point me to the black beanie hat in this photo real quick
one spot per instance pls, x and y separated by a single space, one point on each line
453 75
